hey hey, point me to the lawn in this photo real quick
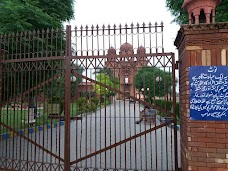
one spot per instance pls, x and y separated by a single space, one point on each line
13 117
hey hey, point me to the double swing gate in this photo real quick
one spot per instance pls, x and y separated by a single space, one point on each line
75 99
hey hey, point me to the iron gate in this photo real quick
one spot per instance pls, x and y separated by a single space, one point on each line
71 99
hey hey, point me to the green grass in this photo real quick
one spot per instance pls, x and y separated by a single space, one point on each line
14 117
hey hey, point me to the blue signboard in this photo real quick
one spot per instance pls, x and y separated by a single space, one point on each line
208 93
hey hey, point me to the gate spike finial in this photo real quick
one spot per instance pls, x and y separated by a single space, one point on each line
81 27
132 25
162 25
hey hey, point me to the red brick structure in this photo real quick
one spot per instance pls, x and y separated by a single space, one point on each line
204 144
201 11
126 67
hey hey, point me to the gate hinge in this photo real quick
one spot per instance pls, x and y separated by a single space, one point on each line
177 64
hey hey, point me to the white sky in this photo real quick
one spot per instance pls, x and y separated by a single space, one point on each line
88 12
93 12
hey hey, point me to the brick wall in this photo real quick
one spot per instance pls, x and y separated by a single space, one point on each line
204 145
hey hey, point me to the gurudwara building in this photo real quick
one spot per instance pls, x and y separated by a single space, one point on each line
126 66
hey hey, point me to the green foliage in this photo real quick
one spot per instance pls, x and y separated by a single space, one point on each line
221 12
145 82
82 104
95 101
19 16
26 31
107 102
85 106
103 91
181 16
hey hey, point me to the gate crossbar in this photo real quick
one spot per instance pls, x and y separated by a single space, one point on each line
125 94
122 142
29 140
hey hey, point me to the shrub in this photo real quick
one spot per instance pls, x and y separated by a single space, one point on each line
95 101
82 104
92 107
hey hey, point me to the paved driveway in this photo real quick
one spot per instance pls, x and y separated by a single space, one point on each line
97 131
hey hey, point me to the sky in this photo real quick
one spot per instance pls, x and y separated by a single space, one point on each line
88 12
93 12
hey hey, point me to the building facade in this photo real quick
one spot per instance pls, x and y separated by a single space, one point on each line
125 66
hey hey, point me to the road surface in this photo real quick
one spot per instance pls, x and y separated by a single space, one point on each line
96 131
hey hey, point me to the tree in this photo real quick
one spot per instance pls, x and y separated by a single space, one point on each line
152 82
108 72
18 16
18 20
181 16
103 91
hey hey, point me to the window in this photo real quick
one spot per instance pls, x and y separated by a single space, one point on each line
126 79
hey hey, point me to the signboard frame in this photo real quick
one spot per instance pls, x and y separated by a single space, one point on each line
208 93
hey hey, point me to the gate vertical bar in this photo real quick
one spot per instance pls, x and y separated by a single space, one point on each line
67 100
174 111
1 56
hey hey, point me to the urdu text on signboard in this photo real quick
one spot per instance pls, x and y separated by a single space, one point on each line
208 93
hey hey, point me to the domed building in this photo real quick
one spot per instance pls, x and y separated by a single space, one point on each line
125 66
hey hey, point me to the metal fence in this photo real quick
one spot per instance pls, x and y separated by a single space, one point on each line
72 99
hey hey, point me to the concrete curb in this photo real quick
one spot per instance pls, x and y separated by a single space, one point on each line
31 130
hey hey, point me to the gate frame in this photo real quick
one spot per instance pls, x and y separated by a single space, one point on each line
68 58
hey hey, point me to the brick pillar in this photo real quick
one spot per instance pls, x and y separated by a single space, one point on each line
204 144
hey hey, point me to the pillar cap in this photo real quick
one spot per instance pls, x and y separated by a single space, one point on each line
195 8
199 29
189 2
